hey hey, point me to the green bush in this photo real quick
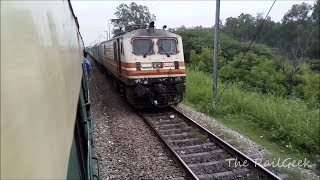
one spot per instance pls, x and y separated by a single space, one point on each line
254 72
204 60
286 120
258 73
310 90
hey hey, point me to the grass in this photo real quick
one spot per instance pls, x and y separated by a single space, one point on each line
285 127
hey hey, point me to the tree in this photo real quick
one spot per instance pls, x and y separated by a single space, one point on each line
299 31
132 14
296 36
242 27
316 10
298 12
269 33
195 38
314 50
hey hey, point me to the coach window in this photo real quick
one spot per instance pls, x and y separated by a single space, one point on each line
167 46
104 49
142 46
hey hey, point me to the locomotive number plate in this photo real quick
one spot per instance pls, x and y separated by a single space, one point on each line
157 65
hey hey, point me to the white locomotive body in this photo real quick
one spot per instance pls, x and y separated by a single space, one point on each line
147 65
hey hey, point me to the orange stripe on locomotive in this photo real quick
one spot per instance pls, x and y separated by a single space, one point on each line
133 65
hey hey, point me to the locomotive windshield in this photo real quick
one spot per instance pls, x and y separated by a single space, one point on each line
142 46
167 46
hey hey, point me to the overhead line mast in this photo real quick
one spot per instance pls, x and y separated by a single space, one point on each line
215 48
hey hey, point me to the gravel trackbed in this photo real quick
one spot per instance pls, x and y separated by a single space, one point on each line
125 146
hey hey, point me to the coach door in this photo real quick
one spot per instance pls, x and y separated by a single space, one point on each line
119 56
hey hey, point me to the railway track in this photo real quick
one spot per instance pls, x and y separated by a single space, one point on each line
202 154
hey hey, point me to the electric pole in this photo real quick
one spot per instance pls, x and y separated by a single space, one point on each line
215 48
107 38
110 21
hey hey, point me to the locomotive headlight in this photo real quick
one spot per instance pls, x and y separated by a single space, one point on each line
138 66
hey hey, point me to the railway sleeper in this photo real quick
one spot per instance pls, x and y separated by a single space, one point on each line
187 142
198 150
174 130
204 145
167 121
235 174
159 123
197 165
159 116
208 158
169 126
213 169
201 154
184 140
178 135
182 137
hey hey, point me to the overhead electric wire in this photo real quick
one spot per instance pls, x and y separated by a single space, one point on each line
254 37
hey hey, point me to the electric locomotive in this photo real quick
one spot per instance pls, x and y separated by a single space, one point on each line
146 64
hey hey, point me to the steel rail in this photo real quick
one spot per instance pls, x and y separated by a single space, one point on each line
227 147
262 171
188 170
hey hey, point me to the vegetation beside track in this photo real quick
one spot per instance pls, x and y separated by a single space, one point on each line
286 127
273 91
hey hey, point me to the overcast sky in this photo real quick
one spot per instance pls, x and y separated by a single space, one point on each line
93 16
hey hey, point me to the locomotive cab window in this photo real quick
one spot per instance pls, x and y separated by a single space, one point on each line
167 46
142 46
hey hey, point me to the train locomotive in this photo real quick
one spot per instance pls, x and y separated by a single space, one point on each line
147 65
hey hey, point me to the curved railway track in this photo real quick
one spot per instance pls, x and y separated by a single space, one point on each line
202 154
